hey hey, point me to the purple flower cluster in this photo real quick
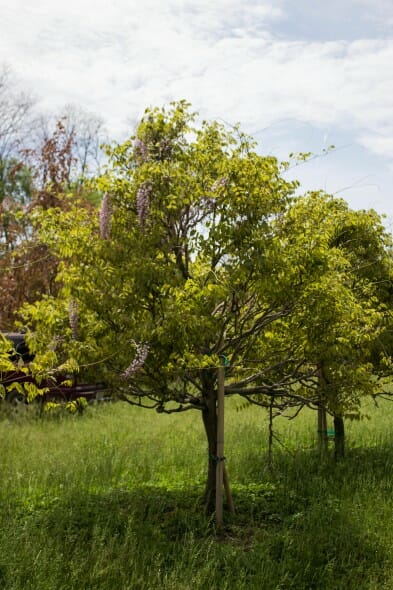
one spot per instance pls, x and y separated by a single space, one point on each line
209 204
219 183
73 317
141 150
143 202
142 350
105 217
166 148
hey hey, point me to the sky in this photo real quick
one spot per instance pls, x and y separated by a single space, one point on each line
298 76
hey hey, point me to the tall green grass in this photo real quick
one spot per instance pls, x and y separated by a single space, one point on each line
110 500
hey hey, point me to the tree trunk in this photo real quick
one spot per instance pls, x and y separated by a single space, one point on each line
339 437
209 417
322 431
323 442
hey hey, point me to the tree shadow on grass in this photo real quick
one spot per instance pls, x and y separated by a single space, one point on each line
152 537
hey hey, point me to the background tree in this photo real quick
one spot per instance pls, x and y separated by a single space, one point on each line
42 158
43 180
16 179
83 130
89 134
342 261
16 116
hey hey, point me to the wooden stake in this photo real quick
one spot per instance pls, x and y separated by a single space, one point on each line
270 444
322 418
322 431
220 447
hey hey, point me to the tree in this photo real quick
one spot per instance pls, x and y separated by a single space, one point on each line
175 275
190 264
44 179
344 312
89 134
40 162
16 178
83 131
15 116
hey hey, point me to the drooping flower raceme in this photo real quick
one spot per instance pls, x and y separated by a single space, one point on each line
142 350
141 150
143 202
219 183
73 317
105 217
166 148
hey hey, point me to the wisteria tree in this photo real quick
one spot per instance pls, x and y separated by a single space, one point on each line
190 264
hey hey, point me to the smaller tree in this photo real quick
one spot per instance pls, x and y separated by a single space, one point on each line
342 261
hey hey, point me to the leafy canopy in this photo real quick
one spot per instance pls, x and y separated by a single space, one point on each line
201 253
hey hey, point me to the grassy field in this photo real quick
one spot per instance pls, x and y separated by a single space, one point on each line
110 501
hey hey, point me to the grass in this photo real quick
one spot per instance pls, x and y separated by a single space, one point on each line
110 500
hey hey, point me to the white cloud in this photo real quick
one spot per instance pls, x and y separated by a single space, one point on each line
213 48
116 57
381 144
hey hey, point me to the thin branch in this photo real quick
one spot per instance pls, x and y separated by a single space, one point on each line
181 408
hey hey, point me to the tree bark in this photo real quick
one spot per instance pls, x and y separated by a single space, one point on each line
339 437
322 431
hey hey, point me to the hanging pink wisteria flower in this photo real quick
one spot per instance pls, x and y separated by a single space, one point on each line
105 217
73 317
166 148
141 150
142 350
143 202
219 183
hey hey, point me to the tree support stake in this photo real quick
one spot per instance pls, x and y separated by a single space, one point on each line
222 481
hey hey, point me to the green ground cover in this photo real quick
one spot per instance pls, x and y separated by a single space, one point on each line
109 500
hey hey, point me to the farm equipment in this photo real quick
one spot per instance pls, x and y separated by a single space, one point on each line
18 383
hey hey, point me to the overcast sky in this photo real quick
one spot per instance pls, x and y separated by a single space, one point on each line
298 75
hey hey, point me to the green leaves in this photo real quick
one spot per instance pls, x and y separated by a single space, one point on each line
209 253
338 314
